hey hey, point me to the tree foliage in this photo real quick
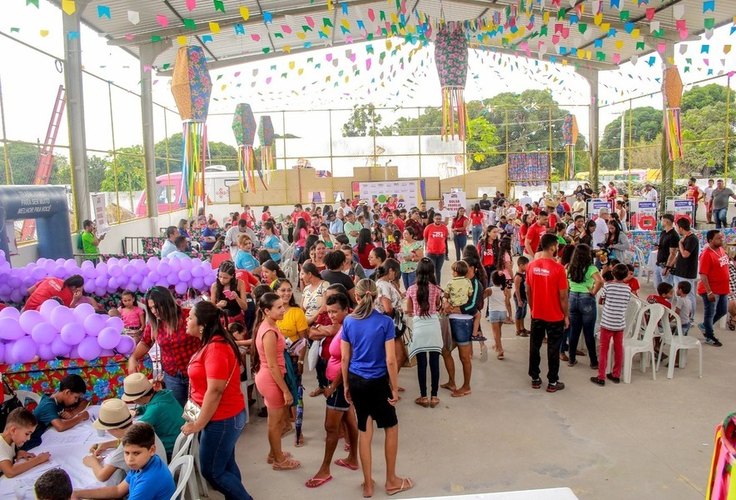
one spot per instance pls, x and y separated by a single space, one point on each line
364 122
481 144
645 124
171 149
125 171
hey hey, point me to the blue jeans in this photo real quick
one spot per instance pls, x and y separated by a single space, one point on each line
217 456
720 214
690 296
660 278
582 318
179 386
437 259
409 279
460 241
477 232
713 312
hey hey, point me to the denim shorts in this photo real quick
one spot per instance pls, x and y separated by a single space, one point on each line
337 400
462 330
520 309
497 316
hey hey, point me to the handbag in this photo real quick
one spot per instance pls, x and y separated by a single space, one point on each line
313 354
9 404
191 409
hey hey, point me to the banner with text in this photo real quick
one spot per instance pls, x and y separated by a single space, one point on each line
405 194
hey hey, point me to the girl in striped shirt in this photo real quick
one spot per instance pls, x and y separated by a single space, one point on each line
613 321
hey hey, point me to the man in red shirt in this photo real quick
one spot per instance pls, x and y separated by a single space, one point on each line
67 292
435 238
694 193
534 235
546 285
300 213
714 286
396 220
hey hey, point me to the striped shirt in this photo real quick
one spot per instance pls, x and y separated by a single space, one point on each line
614 308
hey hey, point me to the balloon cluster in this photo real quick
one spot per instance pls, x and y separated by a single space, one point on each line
57 331
108 277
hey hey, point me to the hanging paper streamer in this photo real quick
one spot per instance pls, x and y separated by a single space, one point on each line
451 59
191 86
672 90
268 149
570 135
244 129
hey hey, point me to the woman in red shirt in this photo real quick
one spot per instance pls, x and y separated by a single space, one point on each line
68 291
476 220
363 248
214 375
266 213
488 249
460 225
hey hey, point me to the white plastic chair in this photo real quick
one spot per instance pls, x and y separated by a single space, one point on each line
632 315
677 342
201 481
181 469
182 445
24 396
635 345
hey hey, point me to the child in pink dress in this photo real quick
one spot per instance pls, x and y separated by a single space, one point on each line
132 315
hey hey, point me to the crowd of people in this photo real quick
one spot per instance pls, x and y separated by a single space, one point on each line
368 296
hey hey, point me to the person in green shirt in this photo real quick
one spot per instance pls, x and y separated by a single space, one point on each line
352 228
584 281
90 241
158 408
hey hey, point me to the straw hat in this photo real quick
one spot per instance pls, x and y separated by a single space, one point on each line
114 414
135 385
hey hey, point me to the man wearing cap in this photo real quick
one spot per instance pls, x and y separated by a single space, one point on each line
115 418
158 408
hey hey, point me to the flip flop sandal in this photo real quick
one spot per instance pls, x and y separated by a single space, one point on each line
731 324
269 459
317 482
434 402
406 484
343 463
287 464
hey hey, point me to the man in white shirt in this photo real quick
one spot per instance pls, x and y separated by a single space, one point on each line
709 201
525 199
169 246
231 237
601 227
650 194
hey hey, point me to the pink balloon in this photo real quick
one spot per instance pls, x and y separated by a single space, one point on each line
10 329
72 333
89 349
94 323
29 319
59 347
24 350
108 338
125 345
62 316
43 333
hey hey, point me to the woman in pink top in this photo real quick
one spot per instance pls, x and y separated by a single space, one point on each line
338 411
271 367
423 300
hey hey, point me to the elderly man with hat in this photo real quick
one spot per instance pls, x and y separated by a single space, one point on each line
158 408
115 418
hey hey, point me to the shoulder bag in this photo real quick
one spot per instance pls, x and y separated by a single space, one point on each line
191 409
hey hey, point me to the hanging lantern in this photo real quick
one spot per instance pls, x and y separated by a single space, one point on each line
191 86
672 90
570 135
268 149
244 129
451 59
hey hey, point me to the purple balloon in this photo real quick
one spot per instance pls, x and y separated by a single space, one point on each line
24 350
47 308
45 352
10 312
94 323
154 277
62 316
89 286
209 279
107 352
115 323
82 311
102 268
100 281
164 268
101 291
108 338
17 296
29 319
181 288
89 349
74 353
198 283
59 347
115 271
197 271
184 275
2 353
125 345
43 333
10 329
38 274
72 333
87 264
130 270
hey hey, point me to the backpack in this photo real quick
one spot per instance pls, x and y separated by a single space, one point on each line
80 243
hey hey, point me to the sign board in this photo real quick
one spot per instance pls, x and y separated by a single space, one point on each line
98 208
406 194
453 201
681 209
595 205
645 216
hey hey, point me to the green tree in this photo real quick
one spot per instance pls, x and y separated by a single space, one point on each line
646 124
219 154
481 144
364 122
701 97
96 167
126 171
703 134
23 159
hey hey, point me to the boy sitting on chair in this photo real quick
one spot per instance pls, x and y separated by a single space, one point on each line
54 410
18 429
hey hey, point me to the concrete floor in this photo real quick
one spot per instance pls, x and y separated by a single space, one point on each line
650 439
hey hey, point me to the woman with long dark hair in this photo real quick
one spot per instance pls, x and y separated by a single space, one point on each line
166 326
488 249
363 247
412 251
301 231
388 302
228 293
504 261
476 221
270 367
270 272
587 237
214 374
423 301
369 375
584 280
616 241
459 228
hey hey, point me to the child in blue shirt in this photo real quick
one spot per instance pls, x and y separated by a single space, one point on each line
148 478
52 410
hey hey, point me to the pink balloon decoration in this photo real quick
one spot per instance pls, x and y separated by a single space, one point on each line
125 345
10 329
43 333
108 338
62 316
59 347
72 333
94 323
29 319
24 350
89 349
82 311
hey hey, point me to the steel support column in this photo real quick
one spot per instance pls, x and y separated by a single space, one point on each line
75 112
591 75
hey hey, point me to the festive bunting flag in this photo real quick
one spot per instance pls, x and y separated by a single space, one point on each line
103 11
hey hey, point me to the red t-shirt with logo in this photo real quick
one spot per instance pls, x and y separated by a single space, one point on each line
436 237
488 257
546 277
49 288
534 235
714 264
476 218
